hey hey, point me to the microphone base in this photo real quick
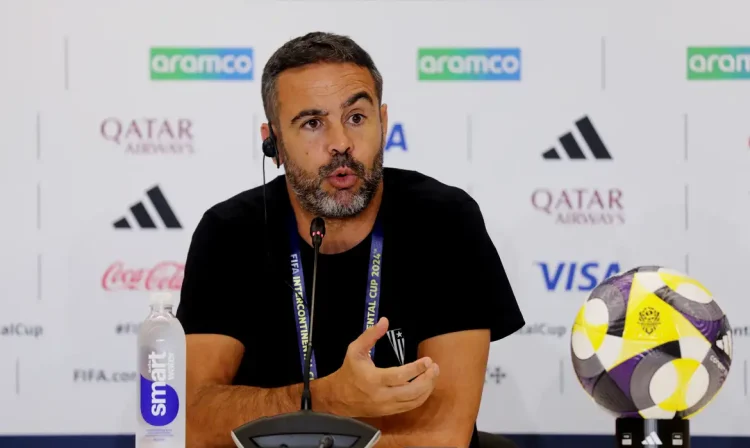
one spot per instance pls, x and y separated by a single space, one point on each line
652 433
305 429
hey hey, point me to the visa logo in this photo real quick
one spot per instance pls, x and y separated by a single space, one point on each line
574 276
396 138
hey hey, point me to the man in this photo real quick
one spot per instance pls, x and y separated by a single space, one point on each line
437 288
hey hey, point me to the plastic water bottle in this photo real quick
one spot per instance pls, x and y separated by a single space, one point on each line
161 387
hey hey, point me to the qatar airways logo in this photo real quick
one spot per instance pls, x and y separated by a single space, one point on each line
580 206
150 136
164 276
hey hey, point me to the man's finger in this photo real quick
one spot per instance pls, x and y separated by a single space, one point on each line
416 389
396 376
369 337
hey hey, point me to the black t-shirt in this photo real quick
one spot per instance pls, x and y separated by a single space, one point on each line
440 274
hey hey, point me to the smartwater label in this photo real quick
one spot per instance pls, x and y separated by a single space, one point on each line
160 403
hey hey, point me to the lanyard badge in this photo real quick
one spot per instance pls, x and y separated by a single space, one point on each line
299 296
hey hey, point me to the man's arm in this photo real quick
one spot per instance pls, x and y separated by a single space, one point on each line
448 416
215 407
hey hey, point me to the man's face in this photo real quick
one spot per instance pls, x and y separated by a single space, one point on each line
331 137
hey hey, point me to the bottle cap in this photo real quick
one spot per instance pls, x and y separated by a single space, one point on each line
161 298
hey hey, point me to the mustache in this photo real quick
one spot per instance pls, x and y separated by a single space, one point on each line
344 160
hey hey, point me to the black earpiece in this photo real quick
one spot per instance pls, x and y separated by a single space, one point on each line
269 147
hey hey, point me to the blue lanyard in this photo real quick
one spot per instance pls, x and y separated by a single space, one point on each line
299 296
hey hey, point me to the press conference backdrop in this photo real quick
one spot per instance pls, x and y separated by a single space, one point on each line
596 136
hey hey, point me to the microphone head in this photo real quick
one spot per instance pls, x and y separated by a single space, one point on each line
318 228
326 442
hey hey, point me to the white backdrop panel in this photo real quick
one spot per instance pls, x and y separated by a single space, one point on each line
675 191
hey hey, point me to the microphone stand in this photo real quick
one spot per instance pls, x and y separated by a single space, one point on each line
305 428
317 237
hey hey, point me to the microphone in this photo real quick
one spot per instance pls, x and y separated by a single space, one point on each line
306 428
326 442
317 232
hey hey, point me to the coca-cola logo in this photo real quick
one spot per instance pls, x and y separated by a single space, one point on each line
150 135
165 276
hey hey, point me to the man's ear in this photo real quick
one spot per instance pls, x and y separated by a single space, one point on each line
264 131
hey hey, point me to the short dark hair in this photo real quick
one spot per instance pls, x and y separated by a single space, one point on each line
313 48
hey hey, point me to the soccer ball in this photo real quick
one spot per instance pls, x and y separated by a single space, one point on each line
651 343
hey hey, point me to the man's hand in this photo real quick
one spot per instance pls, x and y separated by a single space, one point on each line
448 417
363 390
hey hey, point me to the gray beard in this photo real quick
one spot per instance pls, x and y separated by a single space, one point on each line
340 204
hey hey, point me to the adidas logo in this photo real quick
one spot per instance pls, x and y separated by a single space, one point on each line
143 218
573 150
652 440
725 343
